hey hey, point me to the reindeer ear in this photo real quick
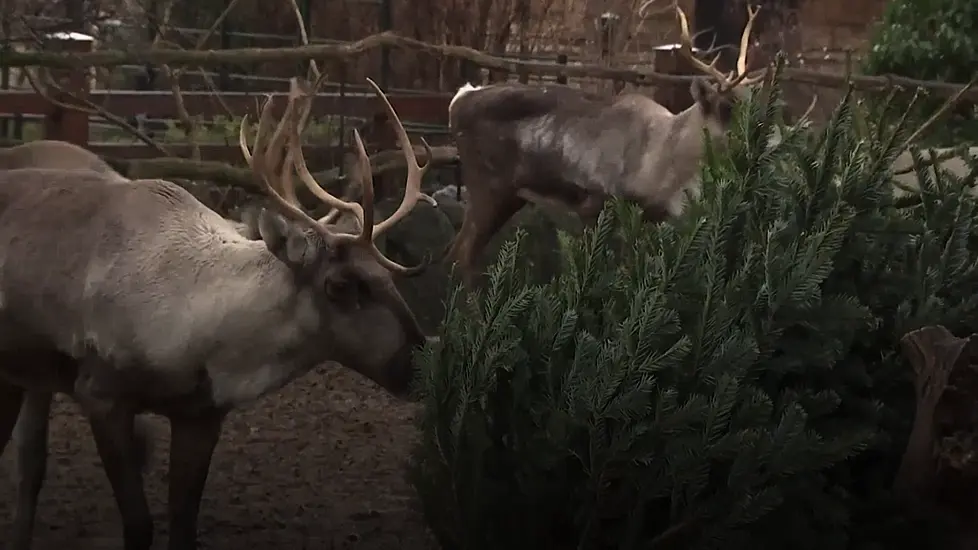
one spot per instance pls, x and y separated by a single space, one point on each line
702 92
249 219
283 239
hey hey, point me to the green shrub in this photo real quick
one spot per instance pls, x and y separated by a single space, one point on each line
930 40
728 381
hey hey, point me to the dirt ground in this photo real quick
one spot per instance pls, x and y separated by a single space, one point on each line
320 465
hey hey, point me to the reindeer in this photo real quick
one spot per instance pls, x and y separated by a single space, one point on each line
31 408
144 300
62 155
56 155
30 433
554 145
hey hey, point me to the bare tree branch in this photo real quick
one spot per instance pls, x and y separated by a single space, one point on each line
951 102
313 68
84 105
215 93
217 24
173 77
90 108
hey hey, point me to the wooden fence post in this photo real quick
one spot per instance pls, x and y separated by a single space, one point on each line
667 60
68 124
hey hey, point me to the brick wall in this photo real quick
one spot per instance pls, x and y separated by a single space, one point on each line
842 13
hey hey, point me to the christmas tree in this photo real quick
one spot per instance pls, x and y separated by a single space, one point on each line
730 380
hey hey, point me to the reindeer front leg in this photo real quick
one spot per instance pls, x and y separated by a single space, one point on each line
192 443
115 439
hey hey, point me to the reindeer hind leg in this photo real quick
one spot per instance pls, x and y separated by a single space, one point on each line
11 397
31 441
481 224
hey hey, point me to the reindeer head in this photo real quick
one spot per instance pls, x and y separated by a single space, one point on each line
361 318
717 101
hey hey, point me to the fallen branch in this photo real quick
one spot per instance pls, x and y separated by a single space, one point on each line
349 50
224 174
944 109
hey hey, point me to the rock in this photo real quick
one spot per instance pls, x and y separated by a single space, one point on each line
424 234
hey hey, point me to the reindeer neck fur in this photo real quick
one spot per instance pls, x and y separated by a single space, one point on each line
152 281
672 161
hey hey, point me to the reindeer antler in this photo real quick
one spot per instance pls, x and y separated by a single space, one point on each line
411 195
259 161
727 81
261 158
415 172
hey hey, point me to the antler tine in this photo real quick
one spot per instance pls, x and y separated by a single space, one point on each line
742 79
367 186
415 171
642 10
271 152
257 158
740 76
301 91
808 111
297 113
752 12
299 162
367 234
686 49
330 217
256 161
287 179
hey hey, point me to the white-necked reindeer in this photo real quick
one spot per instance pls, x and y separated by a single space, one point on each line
140 298
554 144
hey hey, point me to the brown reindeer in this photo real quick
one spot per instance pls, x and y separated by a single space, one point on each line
144 300
557 145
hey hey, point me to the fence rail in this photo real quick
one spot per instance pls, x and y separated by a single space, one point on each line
425 113
428 108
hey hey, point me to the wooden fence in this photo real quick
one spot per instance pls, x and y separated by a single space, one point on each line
426 109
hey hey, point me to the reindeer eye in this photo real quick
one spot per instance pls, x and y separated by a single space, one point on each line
341 290
348 291
363 289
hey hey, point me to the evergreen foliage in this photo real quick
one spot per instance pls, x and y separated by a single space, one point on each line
731 380
930 40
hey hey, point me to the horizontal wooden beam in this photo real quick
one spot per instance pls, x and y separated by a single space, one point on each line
318 157
427 109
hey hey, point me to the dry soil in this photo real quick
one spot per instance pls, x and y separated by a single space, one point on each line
320 465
